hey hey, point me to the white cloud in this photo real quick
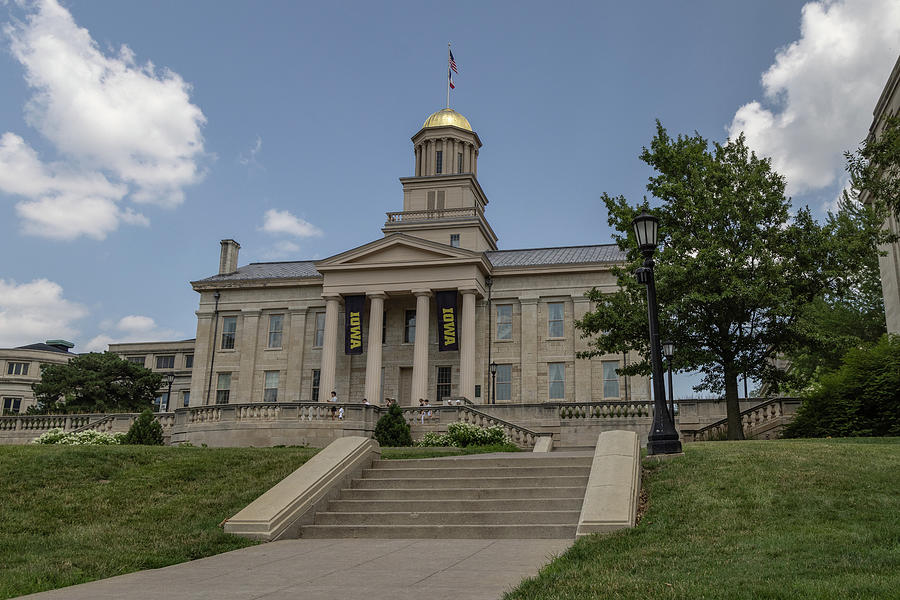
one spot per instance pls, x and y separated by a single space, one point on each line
120 128
131 328
250 159
34 312
821 90
282 221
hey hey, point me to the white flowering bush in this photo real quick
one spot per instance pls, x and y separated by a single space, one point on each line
461 435
82 438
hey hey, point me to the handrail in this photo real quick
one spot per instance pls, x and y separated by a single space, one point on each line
93 424
424 215
705 431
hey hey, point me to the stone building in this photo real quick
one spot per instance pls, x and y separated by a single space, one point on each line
176 358
420 313
21 367
889 104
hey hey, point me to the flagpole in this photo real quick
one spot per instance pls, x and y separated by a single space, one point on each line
448 75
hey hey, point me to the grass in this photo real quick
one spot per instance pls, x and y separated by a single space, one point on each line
71 514
792 519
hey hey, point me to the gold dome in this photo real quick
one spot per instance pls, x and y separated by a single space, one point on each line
447 116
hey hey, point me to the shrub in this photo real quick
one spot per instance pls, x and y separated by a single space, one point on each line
861 398
82 438
145 431
392 429
462 435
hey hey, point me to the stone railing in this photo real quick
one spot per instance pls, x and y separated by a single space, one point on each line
763 421
605 410
441 416
22 429
428 215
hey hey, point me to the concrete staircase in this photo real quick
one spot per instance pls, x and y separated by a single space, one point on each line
483 497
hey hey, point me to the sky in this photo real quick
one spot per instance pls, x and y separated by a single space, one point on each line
135 135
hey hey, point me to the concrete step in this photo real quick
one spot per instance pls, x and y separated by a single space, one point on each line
470 493
444 472
471 482
544 517
484 532
451 505
488 460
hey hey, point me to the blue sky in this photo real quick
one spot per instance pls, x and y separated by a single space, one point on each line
136 135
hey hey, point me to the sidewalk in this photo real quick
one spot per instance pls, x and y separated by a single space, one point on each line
346 569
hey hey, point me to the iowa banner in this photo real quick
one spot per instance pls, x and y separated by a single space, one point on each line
353 310
448 326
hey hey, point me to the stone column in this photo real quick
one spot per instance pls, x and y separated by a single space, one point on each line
329 347
295 349
247 348
466 163
467 346
418 153
420 353
582 365
474 161
528 364
202 350
431 148
373 353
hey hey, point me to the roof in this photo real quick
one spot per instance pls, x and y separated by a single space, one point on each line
300 269
566 255
44 347
527 257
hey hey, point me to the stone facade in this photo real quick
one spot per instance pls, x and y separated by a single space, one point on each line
164 358
275 331
889 104
21 367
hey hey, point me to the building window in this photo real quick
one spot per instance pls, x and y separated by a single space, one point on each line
444 375
439 162
557 378
185 399
504 321
11 406
17 368
409 331
165 362
555 327
188 361
229 327
138 360
161 402
315 385
223 388
459 162
504 382
270 393
454 240
276 325
320 330
610 379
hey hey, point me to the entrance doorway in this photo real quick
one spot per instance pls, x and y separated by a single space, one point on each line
405 391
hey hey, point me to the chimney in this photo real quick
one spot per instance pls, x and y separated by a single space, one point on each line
228 258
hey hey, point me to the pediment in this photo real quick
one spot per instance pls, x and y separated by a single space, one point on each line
398 250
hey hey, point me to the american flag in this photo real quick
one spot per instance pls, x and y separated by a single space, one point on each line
450 75
452 62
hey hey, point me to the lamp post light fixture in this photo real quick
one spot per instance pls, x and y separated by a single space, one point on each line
170 378
494 382
668 351
663 439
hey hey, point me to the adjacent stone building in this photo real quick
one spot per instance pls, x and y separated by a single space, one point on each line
420 313
889 104
175 358
21 367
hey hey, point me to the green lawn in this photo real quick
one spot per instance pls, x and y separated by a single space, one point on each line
71 514
788 519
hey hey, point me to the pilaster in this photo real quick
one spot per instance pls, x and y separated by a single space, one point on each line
249 341
296 333
582 365
528 363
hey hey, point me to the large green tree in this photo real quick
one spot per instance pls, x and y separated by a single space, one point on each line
736 270
875 166
96 382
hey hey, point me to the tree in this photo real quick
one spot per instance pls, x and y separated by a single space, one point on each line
96 382
145 431
392 428
735 273
875 166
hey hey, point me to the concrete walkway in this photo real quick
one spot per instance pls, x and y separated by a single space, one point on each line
347 569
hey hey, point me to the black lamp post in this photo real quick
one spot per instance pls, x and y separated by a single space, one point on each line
668 351
170 377
494 382
663 438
